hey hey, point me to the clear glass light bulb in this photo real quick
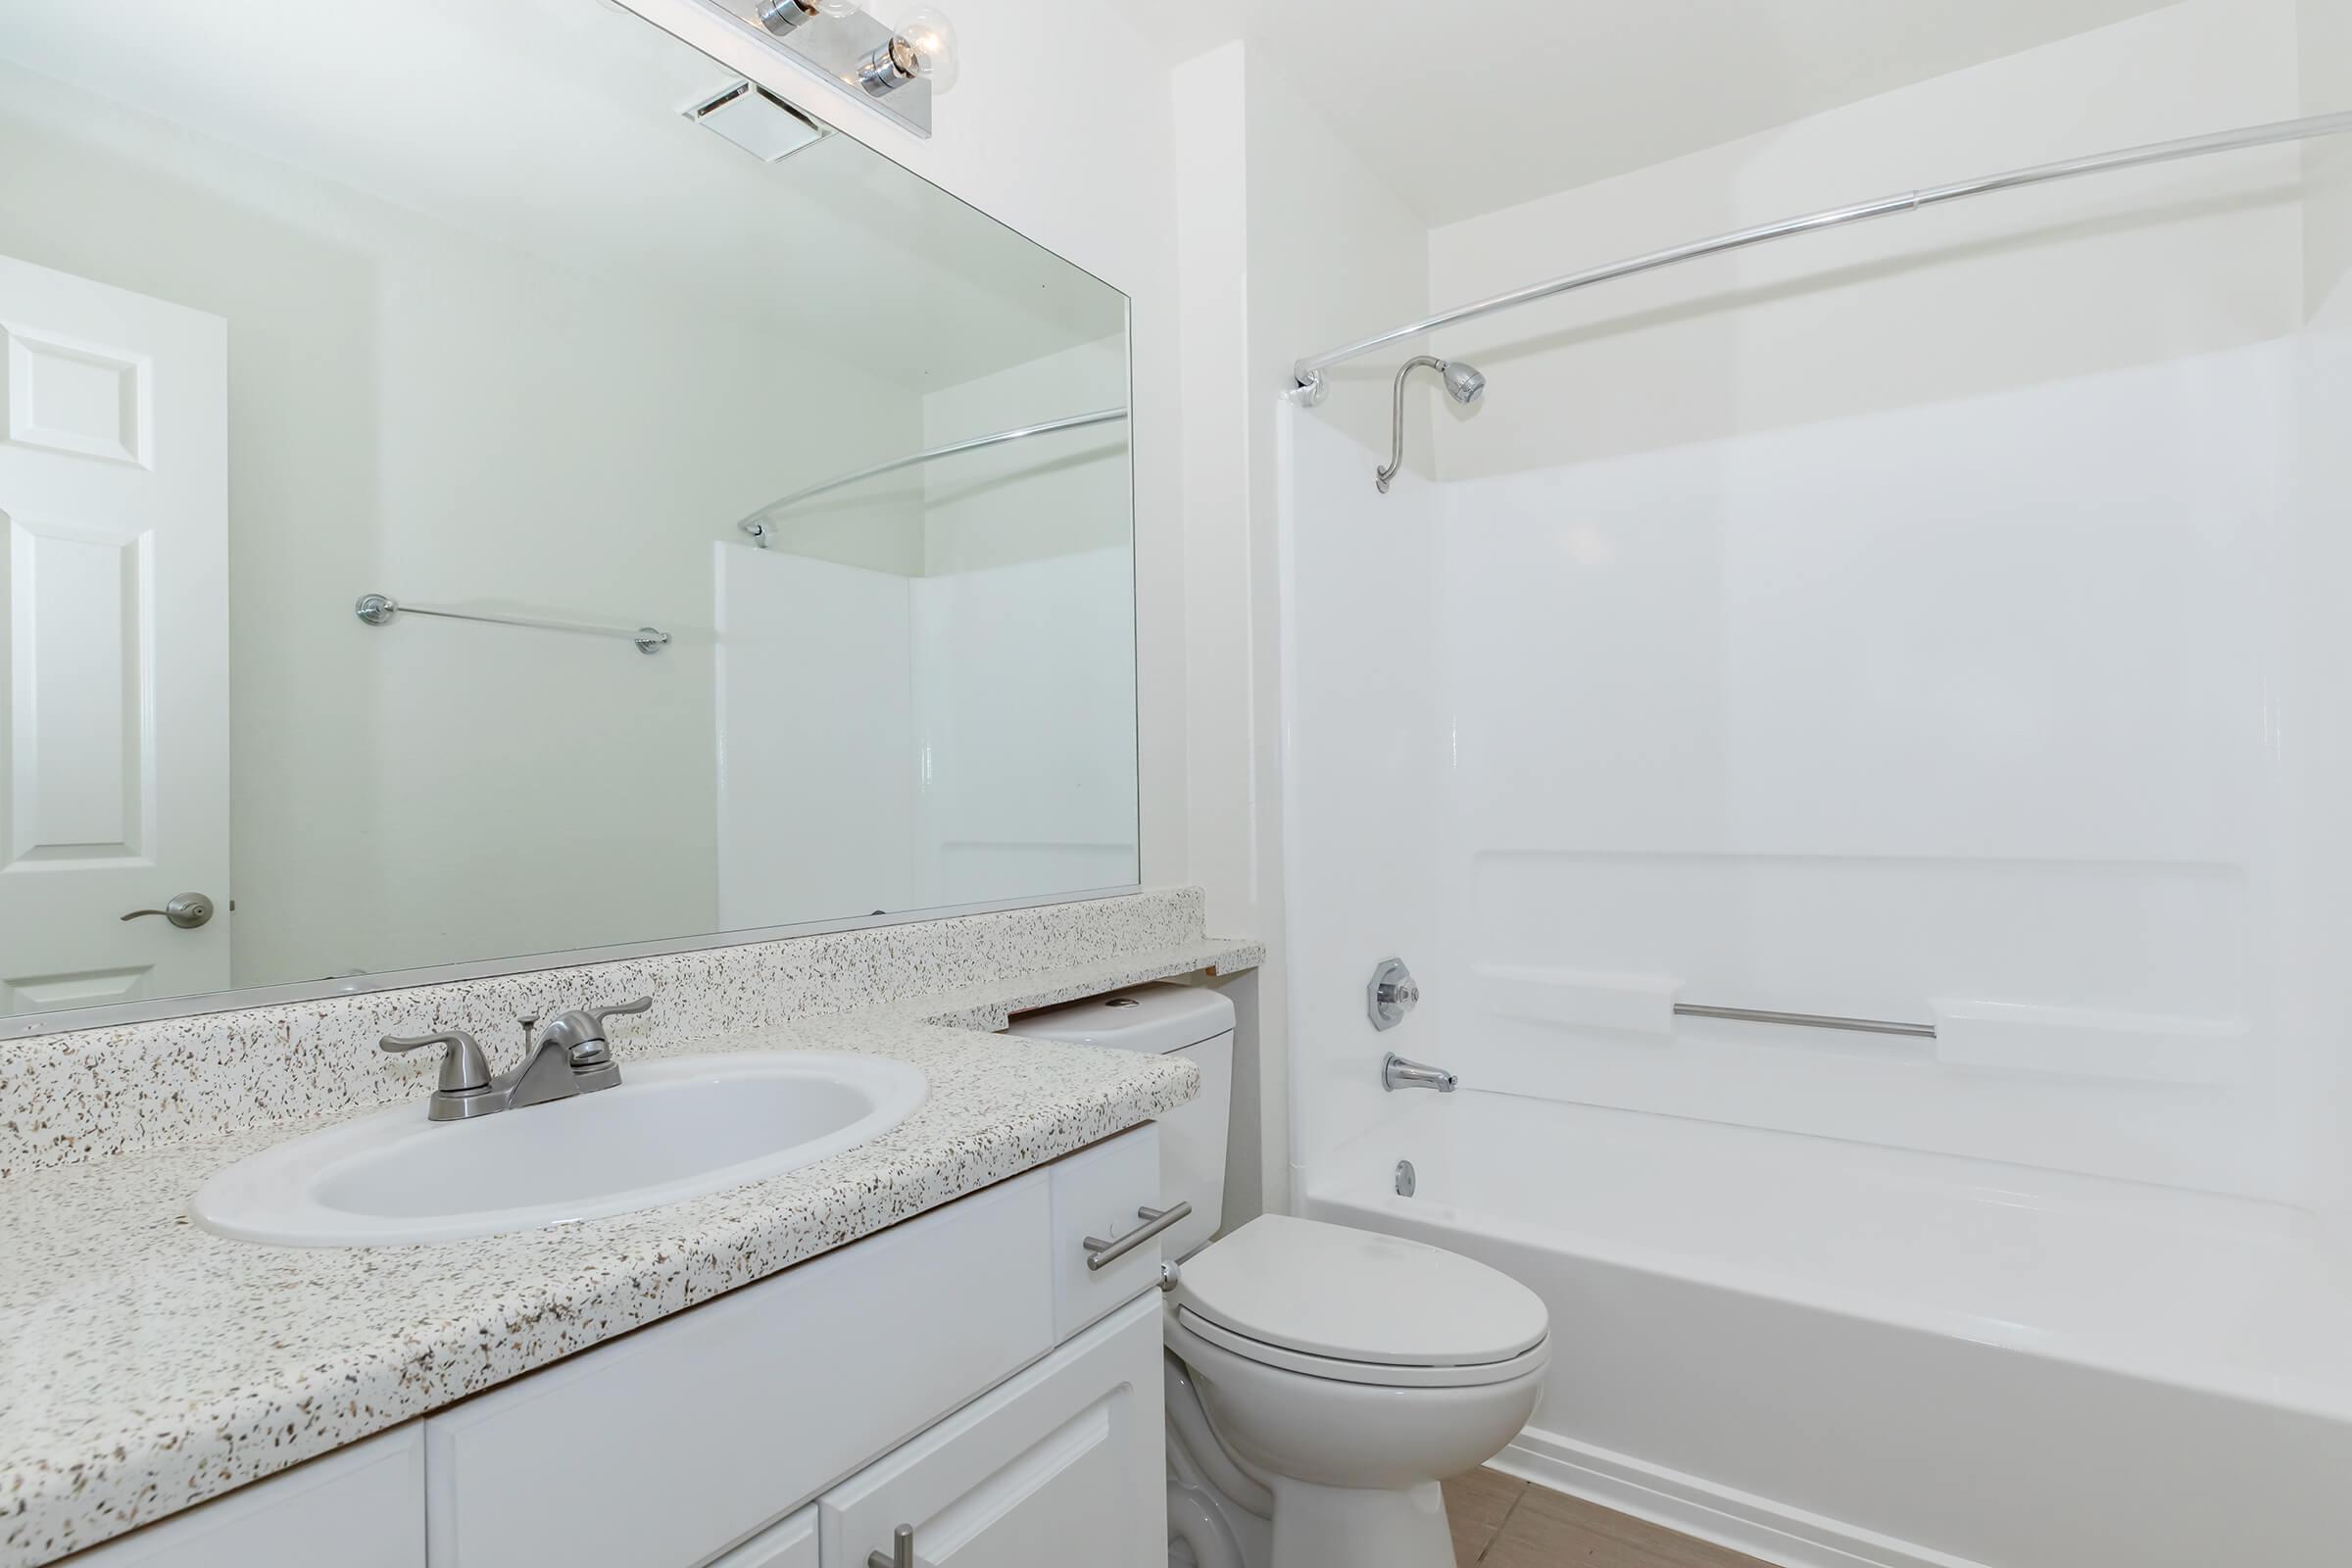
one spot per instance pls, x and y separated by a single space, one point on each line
838 8
930 41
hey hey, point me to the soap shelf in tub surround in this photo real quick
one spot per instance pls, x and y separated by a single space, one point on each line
70 1098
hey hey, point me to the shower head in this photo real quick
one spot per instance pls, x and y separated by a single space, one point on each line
1463 383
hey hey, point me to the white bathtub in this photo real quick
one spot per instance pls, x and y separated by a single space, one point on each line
1827 1354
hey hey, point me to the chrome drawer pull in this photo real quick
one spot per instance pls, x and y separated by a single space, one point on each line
902 1551
1101 1254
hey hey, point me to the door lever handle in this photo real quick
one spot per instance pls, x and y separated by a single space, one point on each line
186 912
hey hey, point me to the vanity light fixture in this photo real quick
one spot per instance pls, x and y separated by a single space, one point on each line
781 16
893 69
924 49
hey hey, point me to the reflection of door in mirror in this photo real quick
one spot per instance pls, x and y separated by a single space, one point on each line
113 666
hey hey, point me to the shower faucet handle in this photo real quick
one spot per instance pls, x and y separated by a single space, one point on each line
1392 995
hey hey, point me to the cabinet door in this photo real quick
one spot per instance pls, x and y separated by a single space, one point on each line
660 1449
362 1507
1062 1465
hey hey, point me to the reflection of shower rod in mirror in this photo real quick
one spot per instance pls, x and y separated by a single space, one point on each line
757 523
378 609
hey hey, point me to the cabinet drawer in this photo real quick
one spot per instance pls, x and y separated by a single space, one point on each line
1097 1192
789 1544
362 1507
1063 1465
681 1439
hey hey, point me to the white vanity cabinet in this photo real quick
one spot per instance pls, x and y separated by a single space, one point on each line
953 1374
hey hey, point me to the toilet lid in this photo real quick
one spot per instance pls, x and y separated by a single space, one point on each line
1357 1296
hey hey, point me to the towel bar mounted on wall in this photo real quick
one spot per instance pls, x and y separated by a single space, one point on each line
378 609
1807 1020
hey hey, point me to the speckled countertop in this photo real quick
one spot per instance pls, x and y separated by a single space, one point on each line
147 1365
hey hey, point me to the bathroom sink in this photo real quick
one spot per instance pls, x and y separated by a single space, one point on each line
674 1129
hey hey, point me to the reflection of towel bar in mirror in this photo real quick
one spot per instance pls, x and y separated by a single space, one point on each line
757 523
378 609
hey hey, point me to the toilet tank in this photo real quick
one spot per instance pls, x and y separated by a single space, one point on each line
1189 1021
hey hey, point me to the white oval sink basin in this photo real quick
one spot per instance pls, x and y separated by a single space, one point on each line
674 1129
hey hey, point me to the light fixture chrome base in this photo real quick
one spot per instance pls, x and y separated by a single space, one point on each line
844 49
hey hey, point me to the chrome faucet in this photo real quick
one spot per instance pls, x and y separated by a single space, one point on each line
1398 1073
568 1058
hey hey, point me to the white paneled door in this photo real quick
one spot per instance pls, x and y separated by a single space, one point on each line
114 644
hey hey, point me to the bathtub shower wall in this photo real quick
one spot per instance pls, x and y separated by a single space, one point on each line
1902 624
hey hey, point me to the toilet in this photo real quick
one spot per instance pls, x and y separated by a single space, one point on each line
1321 1380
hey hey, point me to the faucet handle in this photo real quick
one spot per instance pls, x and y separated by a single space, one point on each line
597 1015
464 1069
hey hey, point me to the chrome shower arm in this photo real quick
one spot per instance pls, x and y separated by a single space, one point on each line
1396 443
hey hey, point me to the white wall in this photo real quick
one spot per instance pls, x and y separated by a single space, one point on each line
1288 241
407 401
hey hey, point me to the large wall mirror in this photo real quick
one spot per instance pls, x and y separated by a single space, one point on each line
422 547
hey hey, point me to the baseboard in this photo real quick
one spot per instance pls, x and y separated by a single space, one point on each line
1756 1526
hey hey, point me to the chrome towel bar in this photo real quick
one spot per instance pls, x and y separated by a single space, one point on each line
1807 1020
378 609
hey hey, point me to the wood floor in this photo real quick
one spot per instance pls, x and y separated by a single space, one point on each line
1501 1523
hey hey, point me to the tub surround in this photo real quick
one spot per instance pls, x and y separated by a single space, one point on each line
151 1365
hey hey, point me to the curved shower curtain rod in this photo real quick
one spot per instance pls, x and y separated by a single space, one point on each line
757 523
1307 373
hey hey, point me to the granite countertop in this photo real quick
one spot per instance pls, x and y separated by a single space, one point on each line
147 1365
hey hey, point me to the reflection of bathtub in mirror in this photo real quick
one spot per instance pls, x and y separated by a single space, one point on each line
414 476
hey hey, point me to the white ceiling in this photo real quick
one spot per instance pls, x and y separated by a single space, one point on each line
1475 105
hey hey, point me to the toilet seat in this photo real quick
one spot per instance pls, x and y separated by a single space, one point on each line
1360 1306
1376 1374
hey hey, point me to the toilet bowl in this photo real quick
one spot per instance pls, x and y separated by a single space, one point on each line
1323 1381
1346 1374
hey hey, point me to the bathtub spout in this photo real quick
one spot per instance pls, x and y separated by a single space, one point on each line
1398 1073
